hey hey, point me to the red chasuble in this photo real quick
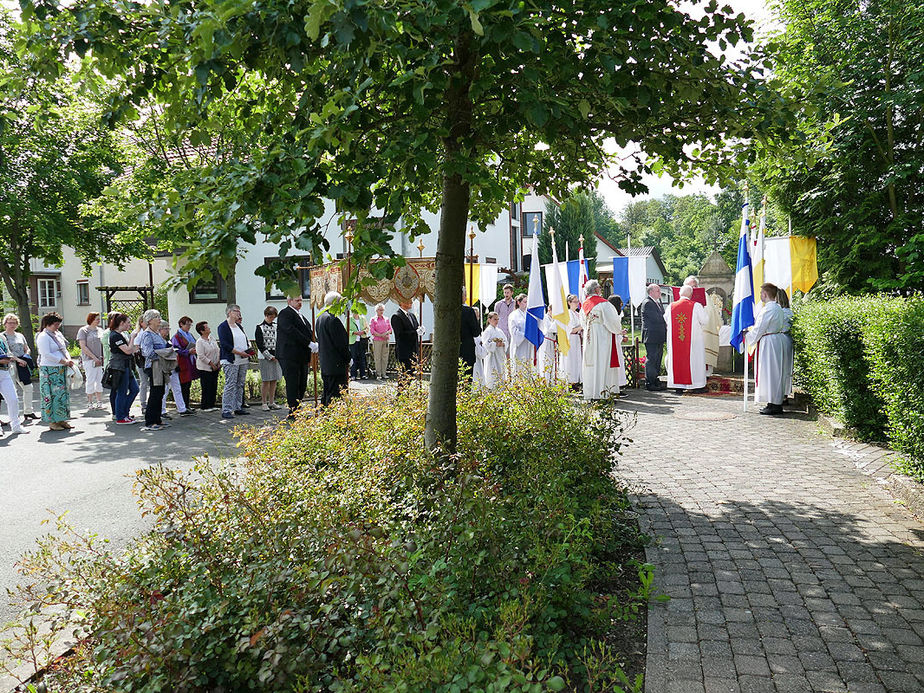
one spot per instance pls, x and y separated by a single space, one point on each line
681 339
699 295
588 305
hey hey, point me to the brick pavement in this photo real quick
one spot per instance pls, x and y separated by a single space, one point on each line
787 568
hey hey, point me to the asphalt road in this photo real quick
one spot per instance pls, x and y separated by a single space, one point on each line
88 473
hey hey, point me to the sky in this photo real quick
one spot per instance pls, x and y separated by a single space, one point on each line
616 199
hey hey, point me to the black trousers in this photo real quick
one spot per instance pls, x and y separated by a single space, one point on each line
296 376
155 401
359 351
184 388
209 382
653 363
333 386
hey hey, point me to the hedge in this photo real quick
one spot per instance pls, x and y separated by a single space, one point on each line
338 554
860 358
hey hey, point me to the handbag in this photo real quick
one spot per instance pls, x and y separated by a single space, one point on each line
108 378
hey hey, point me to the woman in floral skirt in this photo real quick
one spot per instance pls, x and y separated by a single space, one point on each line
53 364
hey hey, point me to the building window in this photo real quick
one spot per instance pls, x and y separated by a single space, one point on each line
213 291
83 293
304 279
532 223
491 260
515 211
47 294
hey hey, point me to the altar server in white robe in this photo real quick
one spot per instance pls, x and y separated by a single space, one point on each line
783 300
520 349
686 349
495 345
604 369
771 340
545 355
573 361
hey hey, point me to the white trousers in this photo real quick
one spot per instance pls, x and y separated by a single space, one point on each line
177 393
24 391
94 381
8 390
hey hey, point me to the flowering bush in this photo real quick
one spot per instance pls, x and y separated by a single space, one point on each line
338 554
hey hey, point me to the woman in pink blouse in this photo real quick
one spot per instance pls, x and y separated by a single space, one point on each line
380 328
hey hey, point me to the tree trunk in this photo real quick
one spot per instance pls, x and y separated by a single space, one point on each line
24 311
447 316
231 284
450 252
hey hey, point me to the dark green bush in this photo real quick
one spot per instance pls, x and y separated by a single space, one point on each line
337 554
831 364
860 359
895 351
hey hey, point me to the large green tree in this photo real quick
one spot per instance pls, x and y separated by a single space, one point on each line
855 182
414 105
582 213
56 154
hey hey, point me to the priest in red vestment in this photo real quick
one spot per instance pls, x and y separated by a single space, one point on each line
686 346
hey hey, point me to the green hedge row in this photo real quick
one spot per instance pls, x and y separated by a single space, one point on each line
860 360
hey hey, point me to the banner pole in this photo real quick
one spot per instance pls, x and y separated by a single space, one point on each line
745 374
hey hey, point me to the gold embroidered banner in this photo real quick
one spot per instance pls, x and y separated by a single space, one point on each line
417 278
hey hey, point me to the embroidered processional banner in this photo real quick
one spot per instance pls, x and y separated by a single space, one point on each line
416 279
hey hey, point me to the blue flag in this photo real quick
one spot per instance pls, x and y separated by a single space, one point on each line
621 278
743 298
535 303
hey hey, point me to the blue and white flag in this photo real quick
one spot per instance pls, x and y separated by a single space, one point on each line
535 303
621 278
743 298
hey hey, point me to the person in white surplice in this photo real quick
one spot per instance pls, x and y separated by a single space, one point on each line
495 345
546 353
521 349
573 361
686 348
603 359
771 340
783 299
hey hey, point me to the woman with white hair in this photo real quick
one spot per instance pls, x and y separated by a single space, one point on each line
22 366
235 358
380 329
151 343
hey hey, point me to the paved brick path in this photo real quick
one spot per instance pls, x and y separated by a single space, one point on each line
788 569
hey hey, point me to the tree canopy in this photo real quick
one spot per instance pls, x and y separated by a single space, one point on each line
55 155
854 179
417 105
582 213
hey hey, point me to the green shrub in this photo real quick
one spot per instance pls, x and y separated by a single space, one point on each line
894 350
338 554
831 364
859 358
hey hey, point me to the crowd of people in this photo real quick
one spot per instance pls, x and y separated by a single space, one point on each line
148 363
595 362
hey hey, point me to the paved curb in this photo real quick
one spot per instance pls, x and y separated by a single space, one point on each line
876 461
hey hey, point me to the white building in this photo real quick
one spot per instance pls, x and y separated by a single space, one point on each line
502 243
72 292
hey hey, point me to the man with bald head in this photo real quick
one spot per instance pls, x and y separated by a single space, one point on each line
686 346
654 334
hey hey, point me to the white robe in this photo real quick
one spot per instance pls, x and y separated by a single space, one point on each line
600 324
521 350
573 362
711 333
788 360
545 356
496 359
697 349
478 369
771 342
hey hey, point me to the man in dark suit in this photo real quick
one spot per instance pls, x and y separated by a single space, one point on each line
654 334
333 351
470 328
294 344
407 331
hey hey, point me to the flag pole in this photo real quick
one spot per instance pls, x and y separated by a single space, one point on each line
631 307
745 373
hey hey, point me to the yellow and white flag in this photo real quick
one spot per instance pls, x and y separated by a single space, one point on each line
558 304
757 258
